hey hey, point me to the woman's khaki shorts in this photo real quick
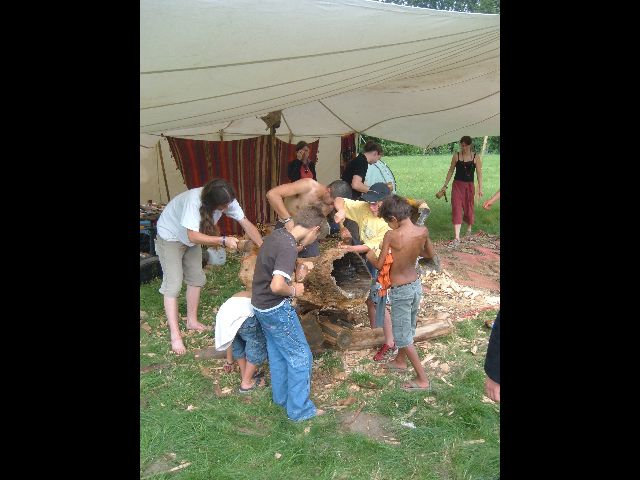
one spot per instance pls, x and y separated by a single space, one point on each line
178 263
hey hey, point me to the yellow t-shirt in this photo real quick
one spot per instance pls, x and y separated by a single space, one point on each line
372 228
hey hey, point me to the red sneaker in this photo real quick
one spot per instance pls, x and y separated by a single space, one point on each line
383 352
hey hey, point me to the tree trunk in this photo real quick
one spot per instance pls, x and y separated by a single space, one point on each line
312 330
335 335
429 327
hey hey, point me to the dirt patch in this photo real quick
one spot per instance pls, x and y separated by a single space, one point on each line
373 426
167 463
468 281
475 262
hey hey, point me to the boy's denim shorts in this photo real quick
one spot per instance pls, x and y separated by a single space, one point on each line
250 342
405 300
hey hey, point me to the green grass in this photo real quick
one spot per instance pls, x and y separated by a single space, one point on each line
237 437
422 176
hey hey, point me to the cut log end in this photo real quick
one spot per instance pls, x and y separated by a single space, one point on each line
351 275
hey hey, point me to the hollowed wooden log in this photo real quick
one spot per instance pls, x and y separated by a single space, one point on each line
337 280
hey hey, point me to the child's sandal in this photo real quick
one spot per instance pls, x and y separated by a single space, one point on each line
228 367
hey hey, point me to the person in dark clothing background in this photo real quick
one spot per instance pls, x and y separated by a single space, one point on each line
492 363
354 174
356 170
301 167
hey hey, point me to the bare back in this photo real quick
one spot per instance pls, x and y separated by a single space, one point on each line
313 196
407 243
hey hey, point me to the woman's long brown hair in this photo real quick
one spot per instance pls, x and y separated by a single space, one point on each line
216 195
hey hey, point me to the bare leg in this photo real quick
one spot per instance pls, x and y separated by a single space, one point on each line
421 377
242 363
456 230
468 233
371 311
193 300
401 359
247 376
386 328
171 310
228 364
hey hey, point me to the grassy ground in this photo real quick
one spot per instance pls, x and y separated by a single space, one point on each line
422 176
192 419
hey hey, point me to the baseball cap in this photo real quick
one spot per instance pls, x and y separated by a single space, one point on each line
377 191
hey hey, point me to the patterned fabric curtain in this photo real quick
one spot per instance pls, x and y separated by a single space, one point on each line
347 151
252 166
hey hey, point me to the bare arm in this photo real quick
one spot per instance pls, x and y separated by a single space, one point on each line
229 355
338 204
251 230
427 249
452 167
487 205
279 287
356 248
479 172
492 389
276 195
371 256
203 239
358 184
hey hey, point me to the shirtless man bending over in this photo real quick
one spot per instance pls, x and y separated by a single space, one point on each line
288 198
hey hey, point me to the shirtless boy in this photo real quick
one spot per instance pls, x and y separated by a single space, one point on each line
405 242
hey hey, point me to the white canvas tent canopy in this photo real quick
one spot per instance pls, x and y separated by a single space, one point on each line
209 69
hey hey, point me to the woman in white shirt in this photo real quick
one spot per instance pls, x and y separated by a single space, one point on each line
187 222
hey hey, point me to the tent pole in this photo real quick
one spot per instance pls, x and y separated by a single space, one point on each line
164 173
484 146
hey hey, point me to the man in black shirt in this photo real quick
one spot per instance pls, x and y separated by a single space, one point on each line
356 169
354 174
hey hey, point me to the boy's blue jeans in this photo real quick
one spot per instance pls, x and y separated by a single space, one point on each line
290 360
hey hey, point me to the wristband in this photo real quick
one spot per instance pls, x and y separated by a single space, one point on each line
293 291
224 240
288 219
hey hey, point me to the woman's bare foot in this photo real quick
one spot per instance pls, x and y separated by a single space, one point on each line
178 347
196 325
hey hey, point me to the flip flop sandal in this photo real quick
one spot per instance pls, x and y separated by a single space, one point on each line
392 368
228 367
250 389
414 387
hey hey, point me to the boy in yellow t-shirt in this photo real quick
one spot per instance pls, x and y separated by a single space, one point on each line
372 229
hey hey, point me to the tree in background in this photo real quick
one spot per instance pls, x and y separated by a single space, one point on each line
470 6
392 149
